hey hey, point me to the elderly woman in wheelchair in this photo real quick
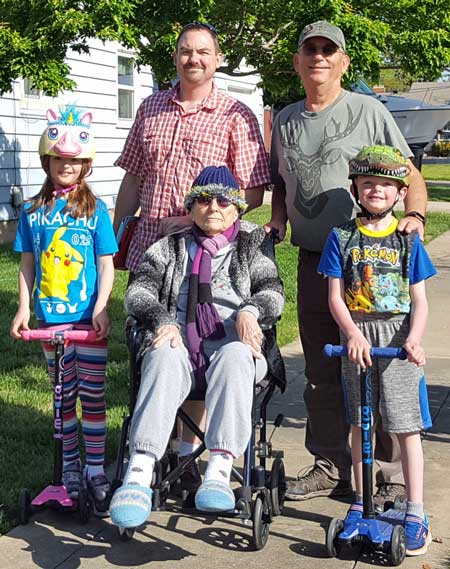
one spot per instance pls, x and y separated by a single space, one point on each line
203 297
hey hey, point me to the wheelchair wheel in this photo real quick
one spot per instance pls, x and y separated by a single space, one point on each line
277 486
24 506
334 529
397 549
126 534
261 521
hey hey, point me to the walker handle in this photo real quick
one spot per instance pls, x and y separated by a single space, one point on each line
74 335
391 353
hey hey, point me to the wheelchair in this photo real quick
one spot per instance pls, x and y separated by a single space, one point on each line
260 496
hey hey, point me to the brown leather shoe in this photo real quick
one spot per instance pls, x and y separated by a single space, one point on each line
386 496
316 483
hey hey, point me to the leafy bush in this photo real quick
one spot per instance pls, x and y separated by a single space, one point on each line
441 148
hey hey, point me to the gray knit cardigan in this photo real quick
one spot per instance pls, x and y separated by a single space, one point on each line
152 297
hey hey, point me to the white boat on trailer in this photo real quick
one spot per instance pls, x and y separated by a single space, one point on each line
418 121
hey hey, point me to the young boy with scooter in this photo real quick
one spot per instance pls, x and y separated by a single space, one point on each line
377 296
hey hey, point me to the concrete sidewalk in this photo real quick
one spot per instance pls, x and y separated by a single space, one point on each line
52 540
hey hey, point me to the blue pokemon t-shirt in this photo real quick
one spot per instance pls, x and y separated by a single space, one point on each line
377 267
65 250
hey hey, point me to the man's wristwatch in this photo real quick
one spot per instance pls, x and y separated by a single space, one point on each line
417 215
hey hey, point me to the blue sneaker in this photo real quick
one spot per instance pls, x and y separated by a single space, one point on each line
354 515
418 535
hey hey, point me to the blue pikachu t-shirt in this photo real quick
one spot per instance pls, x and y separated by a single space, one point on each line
65 250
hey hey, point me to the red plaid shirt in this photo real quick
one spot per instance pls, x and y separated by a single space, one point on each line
167 148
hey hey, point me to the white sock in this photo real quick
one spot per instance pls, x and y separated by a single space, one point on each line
187 448
219 466
415 508
94 470
140 469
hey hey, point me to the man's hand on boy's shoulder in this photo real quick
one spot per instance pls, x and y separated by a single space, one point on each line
410 224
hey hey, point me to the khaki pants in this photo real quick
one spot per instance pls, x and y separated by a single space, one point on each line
327 429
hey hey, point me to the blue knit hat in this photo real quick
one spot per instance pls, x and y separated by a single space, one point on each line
215 181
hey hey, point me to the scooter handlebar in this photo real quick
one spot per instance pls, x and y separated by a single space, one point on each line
74 335
391 353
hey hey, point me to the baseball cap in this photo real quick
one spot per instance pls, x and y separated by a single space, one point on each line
325 30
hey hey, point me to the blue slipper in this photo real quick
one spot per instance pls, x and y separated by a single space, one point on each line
214 496
130 506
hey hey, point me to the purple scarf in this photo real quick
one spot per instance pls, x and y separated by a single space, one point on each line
202 318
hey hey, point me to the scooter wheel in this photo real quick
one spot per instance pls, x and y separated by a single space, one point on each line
83 506
24 506
334 529
261 521
126 534
398 545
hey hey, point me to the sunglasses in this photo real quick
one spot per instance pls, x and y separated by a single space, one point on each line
196 25
222 201
326 50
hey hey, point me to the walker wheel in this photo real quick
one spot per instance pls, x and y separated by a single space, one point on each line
277 486
126 534
83 506
24 506
397 550
261 521
334 529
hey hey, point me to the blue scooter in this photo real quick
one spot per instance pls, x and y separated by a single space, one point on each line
383 533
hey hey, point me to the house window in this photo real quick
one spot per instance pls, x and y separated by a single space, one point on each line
29 90
125 80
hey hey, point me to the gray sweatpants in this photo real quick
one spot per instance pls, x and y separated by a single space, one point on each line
166 382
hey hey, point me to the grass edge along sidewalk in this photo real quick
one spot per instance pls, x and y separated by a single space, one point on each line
26 450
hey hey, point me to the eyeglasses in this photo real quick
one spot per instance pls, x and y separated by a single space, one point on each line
205 201
326 50
196 25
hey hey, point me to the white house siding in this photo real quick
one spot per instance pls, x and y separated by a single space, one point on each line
23 119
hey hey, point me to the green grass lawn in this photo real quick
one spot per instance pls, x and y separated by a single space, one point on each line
436 171
439 193
26 452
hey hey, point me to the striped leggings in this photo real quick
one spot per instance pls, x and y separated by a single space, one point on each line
84 377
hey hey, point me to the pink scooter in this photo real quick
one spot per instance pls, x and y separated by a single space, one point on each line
55 495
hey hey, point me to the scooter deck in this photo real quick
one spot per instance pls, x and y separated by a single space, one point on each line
377 531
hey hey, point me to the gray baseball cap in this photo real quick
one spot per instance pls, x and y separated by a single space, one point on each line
324 30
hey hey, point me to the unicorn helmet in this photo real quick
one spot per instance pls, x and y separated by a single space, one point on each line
68 135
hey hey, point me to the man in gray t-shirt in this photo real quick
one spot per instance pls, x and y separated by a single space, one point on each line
312 143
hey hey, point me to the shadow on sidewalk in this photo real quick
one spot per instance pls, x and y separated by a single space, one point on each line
64 543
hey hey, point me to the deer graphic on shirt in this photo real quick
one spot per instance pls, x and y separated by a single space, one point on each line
310 198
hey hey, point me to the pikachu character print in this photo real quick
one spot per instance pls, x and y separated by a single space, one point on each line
61 264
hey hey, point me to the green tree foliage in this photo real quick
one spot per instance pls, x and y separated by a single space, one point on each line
406 34
35 36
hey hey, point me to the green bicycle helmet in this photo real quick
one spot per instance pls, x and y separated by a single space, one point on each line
382 161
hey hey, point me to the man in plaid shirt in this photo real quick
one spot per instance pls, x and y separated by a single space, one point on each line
179 132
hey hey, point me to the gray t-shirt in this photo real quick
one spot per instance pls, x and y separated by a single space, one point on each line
310 155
